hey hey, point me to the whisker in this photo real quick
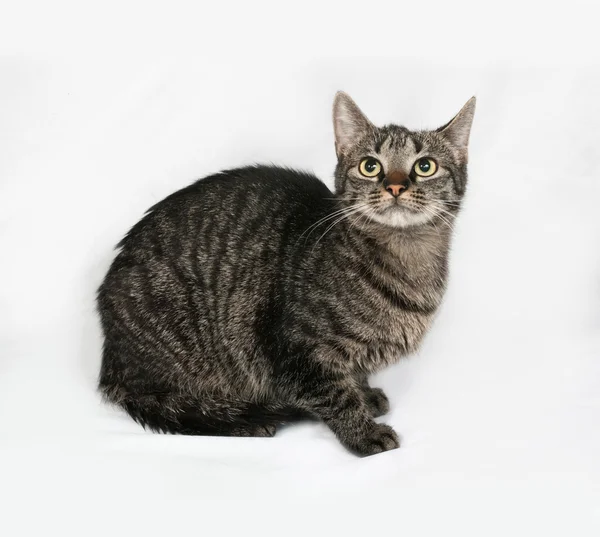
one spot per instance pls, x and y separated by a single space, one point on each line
372 195
444 211
345 199
323 220
326 218
370 211
429 212
444 202
433 211
343 217
361 215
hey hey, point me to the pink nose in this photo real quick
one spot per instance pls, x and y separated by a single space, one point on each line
395 190
396 183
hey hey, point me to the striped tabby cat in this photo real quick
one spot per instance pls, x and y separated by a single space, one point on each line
256 295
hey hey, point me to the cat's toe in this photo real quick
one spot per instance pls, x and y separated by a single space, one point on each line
378 402
379 439
256 431
266 430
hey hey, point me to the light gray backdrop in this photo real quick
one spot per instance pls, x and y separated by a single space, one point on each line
107 109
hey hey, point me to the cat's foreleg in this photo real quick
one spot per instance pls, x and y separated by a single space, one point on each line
339 400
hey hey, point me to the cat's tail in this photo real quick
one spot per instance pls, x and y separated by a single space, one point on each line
178 413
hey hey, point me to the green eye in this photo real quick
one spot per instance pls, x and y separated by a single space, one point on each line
425 167
369 167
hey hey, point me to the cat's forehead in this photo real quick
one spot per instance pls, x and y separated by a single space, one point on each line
399 147
391 138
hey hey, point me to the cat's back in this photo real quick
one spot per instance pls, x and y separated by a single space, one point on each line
257 186
191 276
239 202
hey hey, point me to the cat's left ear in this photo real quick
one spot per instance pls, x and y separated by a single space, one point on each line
458 129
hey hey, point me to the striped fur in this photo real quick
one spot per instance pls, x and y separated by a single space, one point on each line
245 300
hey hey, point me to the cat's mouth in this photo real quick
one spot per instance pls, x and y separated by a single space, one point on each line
398 204
400 213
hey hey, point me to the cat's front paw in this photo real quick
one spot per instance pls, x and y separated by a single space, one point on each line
379 438
377 402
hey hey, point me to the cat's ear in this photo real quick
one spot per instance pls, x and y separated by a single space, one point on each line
349 123
458 129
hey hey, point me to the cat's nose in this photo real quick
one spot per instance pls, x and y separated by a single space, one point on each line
395 190
396 183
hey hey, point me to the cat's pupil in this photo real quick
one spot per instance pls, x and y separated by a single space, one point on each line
371 165
424 165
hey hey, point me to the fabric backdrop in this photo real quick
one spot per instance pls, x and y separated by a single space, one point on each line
106 109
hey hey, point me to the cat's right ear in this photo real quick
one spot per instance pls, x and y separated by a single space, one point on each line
349 123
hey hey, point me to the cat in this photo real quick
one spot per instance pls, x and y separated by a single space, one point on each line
256 296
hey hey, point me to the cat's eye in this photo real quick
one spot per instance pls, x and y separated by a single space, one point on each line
425 167
369 167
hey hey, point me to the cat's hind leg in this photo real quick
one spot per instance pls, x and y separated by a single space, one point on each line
261 431
178 413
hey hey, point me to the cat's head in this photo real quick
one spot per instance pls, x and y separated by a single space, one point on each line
398 177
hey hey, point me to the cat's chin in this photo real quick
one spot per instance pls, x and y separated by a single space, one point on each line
400 217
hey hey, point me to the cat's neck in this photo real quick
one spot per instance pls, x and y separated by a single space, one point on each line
417 256
412 243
